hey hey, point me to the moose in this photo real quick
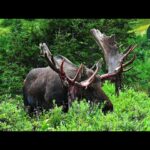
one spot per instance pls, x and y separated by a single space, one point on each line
65 82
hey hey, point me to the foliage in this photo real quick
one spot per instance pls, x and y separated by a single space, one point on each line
139 77
148 32
139 26
12 117
19 53
131 113
69 37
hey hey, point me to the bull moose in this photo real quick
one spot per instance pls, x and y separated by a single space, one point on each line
64 82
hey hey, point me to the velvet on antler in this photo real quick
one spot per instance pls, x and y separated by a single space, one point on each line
115 61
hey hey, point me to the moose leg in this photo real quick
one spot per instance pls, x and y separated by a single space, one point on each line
27 106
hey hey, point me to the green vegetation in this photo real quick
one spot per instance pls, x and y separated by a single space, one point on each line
131 113
19 53
140 26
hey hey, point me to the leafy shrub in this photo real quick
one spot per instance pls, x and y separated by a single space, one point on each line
139 77
148 32
12 117
131 113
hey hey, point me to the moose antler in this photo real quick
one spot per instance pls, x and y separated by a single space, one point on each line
49 57
71 83
53 64
114 60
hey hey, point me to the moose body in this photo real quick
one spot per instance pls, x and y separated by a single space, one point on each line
43 85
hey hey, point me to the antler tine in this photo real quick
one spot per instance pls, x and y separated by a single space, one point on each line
127 49
62 68
76 76
119 69
63 75
98 63
88 81
128 69
130 62
127 53
93 75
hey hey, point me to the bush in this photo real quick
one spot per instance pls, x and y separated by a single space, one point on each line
148 32
139 77
131 113
13 117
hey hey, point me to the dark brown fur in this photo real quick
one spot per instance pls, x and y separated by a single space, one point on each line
43 85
